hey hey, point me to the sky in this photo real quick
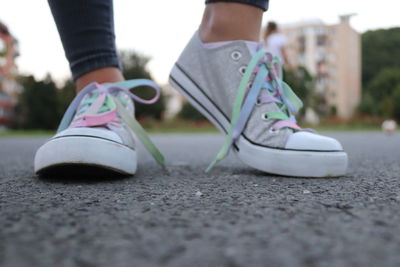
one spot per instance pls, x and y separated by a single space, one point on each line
161 28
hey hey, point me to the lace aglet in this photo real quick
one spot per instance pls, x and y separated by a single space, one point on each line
212 164
160 160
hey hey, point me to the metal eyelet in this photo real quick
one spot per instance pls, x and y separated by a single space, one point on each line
258 103
236 55
242 70
264 116
272 131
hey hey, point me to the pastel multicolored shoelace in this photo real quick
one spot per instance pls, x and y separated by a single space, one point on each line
263 72
105 108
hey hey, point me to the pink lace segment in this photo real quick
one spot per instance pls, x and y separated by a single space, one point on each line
283 124
95 120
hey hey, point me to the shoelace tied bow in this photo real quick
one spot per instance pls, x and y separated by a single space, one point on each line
106 108
264 72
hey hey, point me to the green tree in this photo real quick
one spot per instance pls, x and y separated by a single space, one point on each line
396 101
134 67
380 49
382 95
368 105
384 83
188 112
38 105
380 72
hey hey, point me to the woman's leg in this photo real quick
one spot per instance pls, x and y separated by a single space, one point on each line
86 29
98 130
238 87
232 20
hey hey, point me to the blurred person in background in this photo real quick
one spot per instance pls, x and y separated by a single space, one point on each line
221 71
275 42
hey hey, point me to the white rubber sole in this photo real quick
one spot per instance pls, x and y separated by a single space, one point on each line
86 151
299 163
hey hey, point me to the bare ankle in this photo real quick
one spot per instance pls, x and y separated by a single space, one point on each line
104 75
230 21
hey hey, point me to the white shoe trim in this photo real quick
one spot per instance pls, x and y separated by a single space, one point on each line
84 150
292 163
312 141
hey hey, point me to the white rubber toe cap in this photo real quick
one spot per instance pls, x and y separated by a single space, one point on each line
312 141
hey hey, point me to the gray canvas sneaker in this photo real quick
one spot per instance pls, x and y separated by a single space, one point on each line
97 133
245 98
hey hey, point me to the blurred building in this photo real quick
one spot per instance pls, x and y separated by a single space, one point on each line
9 88
332 54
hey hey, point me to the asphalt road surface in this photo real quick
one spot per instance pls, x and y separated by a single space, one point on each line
234 216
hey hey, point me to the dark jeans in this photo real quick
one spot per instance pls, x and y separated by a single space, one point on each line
263 4
86 28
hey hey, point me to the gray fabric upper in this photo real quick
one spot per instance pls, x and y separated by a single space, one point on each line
218 72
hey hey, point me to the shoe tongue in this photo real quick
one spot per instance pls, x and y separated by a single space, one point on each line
253 47
90 98
268 107
86 101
